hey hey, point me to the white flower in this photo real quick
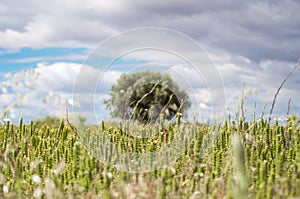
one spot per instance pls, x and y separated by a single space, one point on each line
34 164
38 193
5 120
110 175
36 179
173 170
60 168
197 192
5 189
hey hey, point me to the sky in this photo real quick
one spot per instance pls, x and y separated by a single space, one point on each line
44 48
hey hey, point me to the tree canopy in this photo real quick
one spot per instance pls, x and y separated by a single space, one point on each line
144 96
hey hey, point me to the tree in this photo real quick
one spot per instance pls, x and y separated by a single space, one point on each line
143 96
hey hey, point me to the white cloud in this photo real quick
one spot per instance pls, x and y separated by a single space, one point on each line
58 76
50 87
45 89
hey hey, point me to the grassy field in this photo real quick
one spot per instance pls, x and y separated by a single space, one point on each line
248 159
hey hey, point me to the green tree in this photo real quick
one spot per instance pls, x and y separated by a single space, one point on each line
143 96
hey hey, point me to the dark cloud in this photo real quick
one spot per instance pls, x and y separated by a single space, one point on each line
259 30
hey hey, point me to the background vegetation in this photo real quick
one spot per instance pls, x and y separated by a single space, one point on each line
143 96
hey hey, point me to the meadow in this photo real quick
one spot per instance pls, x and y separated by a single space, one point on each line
247 160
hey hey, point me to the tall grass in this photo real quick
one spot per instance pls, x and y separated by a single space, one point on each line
248 160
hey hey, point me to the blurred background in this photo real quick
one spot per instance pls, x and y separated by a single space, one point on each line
43 46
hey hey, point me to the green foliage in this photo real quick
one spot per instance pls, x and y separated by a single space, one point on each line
143 96
252 160
48 120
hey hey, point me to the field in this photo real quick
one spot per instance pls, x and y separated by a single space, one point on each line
248 159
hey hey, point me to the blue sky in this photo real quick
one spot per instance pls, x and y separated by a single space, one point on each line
253 43
26 58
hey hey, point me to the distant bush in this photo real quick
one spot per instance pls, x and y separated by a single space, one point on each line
51 121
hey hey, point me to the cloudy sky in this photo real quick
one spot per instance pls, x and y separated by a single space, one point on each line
43 46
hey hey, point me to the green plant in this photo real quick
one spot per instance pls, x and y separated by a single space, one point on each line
144 96
39 161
